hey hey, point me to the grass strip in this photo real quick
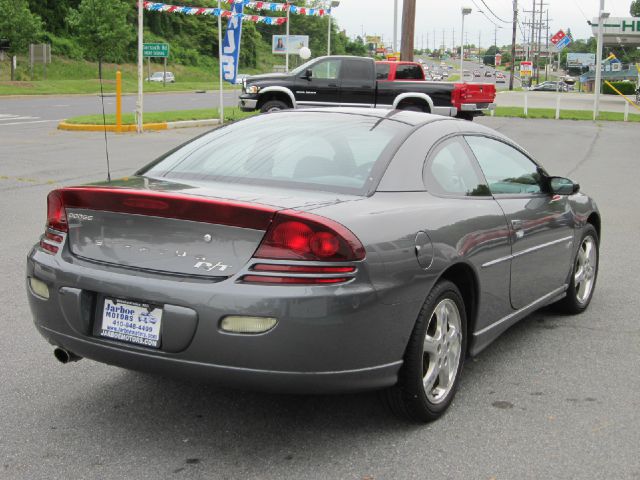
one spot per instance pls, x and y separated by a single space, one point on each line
230 114
550 113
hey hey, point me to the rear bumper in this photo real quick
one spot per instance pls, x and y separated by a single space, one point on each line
477 107
329 339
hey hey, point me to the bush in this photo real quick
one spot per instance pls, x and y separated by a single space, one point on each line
65 47
626 88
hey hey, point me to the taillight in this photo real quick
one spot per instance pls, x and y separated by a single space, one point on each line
263 267
304 236
56 214
293 280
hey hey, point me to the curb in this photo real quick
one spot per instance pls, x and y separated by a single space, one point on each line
83 127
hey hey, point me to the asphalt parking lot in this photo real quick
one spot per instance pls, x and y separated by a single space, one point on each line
555 397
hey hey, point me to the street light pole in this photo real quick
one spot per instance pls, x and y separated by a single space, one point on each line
601 18
139 126
221 98
286 66
333 4
395 26
465 11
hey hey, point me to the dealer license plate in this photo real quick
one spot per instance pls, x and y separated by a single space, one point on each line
131 322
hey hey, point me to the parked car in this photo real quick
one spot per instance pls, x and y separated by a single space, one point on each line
159 77
360 81
488 73
550 86
476 73
500 77
253 256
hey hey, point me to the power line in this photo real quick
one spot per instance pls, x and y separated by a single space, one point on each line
491 11
485 15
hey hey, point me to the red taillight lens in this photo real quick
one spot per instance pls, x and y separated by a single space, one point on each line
56 215
291 280
262 267
304 236
48 247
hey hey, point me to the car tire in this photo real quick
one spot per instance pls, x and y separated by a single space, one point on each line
584 274
273 106
432 356
465 116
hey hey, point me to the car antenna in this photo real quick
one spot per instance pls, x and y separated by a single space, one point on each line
104 124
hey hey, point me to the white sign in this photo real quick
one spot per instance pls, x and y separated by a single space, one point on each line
526 69
296 42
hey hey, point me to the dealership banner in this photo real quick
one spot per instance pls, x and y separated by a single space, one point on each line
216 12
282 7
231 44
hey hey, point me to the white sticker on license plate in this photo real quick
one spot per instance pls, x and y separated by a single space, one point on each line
131 322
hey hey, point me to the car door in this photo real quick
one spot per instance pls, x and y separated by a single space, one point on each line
357 83
541 224
321 88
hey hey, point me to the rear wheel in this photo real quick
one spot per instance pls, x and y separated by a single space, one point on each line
465 116
584 274
273 106
433 360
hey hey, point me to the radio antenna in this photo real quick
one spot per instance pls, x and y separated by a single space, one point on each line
104 123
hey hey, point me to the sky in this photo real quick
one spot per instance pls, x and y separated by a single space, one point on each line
375 17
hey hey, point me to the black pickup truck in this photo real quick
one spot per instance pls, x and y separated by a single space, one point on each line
349 81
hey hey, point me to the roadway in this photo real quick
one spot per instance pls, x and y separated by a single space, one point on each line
554 397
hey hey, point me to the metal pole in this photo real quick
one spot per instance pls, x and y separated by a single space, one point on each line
286 62
395 26
513 44
164 77
329 37
140 68
597 86
221 98
462 50
118 101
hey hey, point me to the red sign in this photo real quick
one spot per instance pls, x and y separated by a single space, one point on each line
498 61
557 37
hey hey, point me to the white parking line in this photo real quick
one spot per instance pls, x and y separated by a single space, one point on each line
26 123
15 117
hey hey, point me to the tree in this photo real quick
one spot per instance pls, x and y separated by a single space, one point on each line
635 8
103 29
19 26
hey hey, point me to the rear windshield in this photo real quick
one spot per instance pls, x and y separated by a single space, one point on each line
320 151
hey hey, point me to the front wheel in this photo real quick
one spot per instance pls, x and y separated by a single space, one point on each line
273 106
583 275
433 359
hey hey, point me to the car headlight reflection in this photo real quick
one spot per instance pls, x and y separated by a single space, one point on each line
252 89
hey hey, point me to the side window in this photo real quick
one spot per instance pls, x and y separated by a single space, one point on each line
382 71
356 70
328 70
408 72
507 170
450 171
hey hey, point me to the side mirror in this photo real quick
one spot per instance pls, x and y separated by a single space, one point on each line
563 186
308 74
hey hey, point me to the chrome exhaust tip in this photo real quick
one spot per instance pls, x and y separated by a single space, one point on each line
65 356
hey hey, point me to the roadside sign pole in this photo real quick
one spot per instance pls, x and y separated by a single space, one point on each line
526 101
597 86
119 101
221 99
286 66
140 68
164 77
557 100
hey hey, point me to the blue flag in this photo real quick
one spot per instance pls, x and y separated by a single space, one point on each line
231 44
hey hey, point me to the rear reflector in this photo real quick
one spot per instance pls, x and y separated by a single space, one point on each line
47 247
292 280
157 204
304 236
261 267
242 324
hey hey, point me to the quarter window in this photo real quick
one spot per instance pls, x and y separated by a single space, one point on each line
450 171
507 170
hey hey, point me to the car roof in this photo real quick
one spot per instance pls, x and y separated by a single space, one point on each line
413 119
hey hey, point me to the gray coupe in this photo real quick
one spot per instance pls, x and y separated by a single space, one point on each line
315 251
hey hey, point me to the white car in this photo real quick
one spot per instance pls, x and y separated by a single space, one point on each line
158 77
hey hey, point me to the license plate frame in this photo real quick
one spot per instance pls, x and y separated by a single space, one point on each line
130 322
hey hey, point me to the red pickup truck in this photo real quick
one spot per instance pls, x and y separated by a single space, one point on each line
469 99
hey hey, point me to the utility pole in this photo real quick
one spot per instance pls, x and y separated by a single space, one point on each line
408 29
453 40
597 86
444 45
479 48
546 68
395 26
533 34
139 124
513 43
